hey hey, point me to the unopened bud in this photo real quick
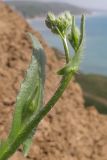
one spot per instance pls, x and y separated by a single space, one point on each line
60 24
74 36
50 20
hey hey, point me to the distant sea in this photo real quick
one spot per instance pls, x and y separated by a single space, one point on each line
95 54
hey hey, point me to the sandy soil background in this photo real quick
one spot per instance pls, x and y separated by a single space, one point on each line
69 131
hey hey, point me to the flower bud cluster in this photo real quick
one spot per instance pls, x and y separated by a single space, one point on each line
64 25
59 25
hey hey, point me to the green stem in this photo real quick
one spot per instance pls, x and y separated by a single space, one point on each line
65 44
67 54
10 147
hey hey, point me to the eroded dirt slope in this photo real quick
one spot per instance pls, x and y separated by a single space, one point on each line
69 132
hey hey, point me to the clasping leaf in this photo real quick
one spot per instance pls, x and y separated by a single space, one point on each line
30 97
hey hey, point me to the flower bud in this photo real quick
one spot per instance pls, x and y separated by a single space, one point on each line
50 20
74 36
60 24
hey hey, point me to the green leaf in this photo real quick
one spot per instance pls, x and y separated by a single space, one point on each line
82 31
26 145
30 97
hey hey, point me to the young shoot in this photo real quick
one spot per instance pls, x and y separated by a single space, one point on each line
29 107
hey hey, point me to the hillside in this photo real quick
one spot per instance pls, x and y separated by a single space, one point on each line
69 131
31 9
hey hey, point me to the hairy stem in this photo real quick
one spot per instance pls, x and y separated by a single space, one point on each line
67 54
10 148
65 44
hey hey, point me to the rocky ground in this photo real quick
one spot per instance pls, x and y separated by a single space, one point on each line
69 131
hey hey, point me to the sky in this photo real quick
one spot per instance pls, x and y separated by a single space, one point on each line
94 4
98 4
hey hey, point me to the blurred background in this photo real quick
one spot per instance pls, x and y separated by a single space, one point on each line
93 74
